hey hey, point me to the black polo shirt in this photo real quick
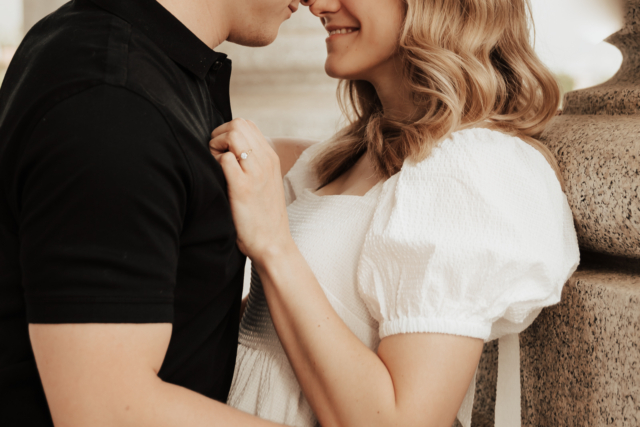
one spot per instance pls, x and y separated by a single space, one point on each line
112 209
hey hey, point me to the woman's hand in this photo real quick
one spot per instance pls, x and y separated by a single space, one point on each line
255 188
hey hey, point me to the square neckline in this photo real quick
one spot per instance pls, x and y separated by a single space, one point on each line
382 181
369 191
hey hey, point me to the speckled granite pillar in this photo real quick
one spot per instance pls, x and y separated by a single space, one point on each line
580 360
597 143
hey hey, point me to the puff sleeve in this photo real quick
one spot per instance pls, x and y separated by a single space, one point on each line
475 240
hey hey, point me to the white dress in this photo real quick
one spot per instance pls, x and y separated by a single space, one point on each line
474 240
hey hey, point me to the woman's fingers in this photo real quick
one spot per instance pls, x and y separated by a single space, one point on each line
242 137
254 185
252 125
237 136
235 126
230 165
224 128
232 142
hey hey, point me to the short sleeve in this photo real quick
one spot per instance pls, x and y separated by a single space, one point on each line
103 191
475 240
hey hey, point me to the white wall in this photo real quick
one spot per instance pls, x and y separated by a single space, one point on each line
10 22
570 34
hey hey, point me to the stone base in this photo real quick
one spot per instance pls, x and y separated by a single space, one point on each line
580 360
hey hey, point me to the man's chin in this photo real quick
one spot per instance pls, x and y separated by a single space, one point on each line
253 40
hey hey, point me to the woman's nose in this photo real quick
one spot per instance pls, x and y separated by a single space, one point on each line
321 7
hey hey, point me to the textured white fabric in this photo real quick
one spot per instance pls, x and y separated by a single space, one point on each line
472 241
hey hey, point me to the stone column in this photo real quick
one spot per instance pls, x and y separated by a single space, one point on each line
580 360
597 142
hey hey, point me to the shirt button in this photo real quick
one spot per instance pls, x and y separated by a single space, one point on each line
216 65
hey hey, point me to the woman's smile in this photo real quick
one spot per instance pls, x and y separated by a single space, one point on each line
370 29
335 31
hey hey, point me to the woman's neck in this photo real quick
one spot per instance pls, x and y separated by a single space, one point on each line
394 91
397 103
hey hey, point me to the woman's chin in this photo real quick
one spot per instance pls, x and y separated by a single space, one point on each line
339 71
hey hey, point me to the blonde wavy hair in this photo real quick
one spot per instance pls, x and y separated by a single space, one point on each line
466 61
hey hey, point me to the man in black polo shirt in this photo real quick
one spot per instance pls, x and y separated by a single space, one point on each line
120 278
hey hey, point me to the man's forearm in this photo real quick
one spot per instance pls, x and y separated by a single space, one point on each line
159 404
106 375
169 405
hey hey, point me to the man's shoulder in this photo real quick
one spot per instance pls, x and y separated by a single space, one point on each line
152 73
63 54
70 43
80 46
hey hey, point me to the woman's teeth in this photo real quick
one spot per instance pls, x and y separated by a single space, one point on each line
341 31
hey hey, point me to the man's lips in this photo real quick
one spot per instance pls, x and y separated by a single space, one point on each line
293 8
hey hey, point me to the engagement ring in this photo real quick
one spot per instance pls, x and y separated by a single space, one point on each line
244 155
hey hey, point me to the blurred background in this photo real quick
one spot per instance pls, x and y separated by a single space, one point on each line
283 87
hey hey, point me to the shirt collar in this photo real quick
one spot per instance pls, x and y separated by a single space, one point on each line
165 30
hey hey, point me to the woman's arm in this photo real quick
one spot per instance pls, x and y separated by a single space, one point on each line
413 380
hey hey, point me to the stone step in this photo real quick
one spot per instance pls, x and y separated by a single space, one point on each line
580 359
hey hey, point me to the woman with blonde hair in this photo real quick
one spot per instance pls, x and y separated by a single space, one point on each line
433 223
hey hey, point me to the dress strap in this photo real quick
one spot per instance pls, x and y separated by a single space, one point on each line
507 412
508 387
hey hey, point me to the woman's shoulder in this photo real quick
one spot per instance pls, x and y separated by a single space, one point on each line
486 161
473 178
482 148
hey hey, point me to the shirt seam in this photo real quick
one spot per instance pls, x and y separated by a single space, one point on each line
117 71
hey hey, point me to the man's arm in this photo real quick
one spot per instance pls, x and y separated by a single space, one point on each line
104 190
106 375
